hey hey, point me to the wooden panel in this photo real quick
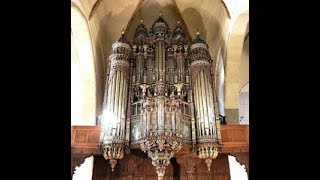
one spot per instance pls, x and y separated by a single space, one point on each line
138 178
81 136
235 138
85 137
93 136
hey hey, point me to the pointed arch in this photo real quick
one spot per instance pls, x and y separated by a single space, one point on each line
232 68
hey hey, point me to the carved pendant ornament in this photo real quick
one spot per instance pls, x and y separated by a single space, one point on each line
159 96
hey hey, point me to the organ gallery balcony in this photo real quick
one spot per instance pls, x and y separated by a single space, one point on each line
85 139
235 139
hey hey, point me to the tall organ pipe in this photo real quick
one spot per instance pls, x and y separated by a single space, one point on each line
113 115
209 138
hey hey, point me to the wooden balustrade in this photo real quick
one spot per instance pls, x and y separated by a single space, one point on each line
85 137
85 142
235 138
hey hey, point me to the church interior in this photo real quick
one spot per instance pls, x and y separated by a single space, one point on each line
159 89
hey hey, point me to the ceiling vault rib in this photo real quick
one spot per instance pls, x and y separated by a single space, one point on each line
180 16
94 8
177 12
225 8
245 38
133 15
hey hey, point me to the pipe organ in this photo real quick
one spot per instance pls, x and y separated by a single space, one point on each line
159 96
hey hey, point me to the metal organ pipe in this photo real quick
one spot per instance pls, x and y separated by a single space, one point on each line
113 115
209 139
123 105
116 96
210 105
208 92
120 99
182 69
112 94
156 63
181 66
128 109
137 69
204 103
139 66
201 105
197 107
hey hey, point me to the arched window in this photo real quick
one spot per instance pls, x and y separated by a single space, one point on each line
83 85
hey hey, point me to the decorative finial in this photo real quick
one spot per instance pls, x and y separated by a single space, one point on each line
178 22
197 31
160 14
122 32
141 21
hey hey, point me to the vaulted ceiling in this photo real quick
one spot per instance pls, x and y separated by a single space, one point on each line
108 17
213 18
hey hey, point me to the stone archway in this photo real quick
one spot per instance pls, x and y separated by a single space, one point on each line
233 61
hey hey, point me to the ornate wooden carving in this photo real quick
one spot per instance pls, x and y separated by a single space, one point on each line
188 165
138 166
133 163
